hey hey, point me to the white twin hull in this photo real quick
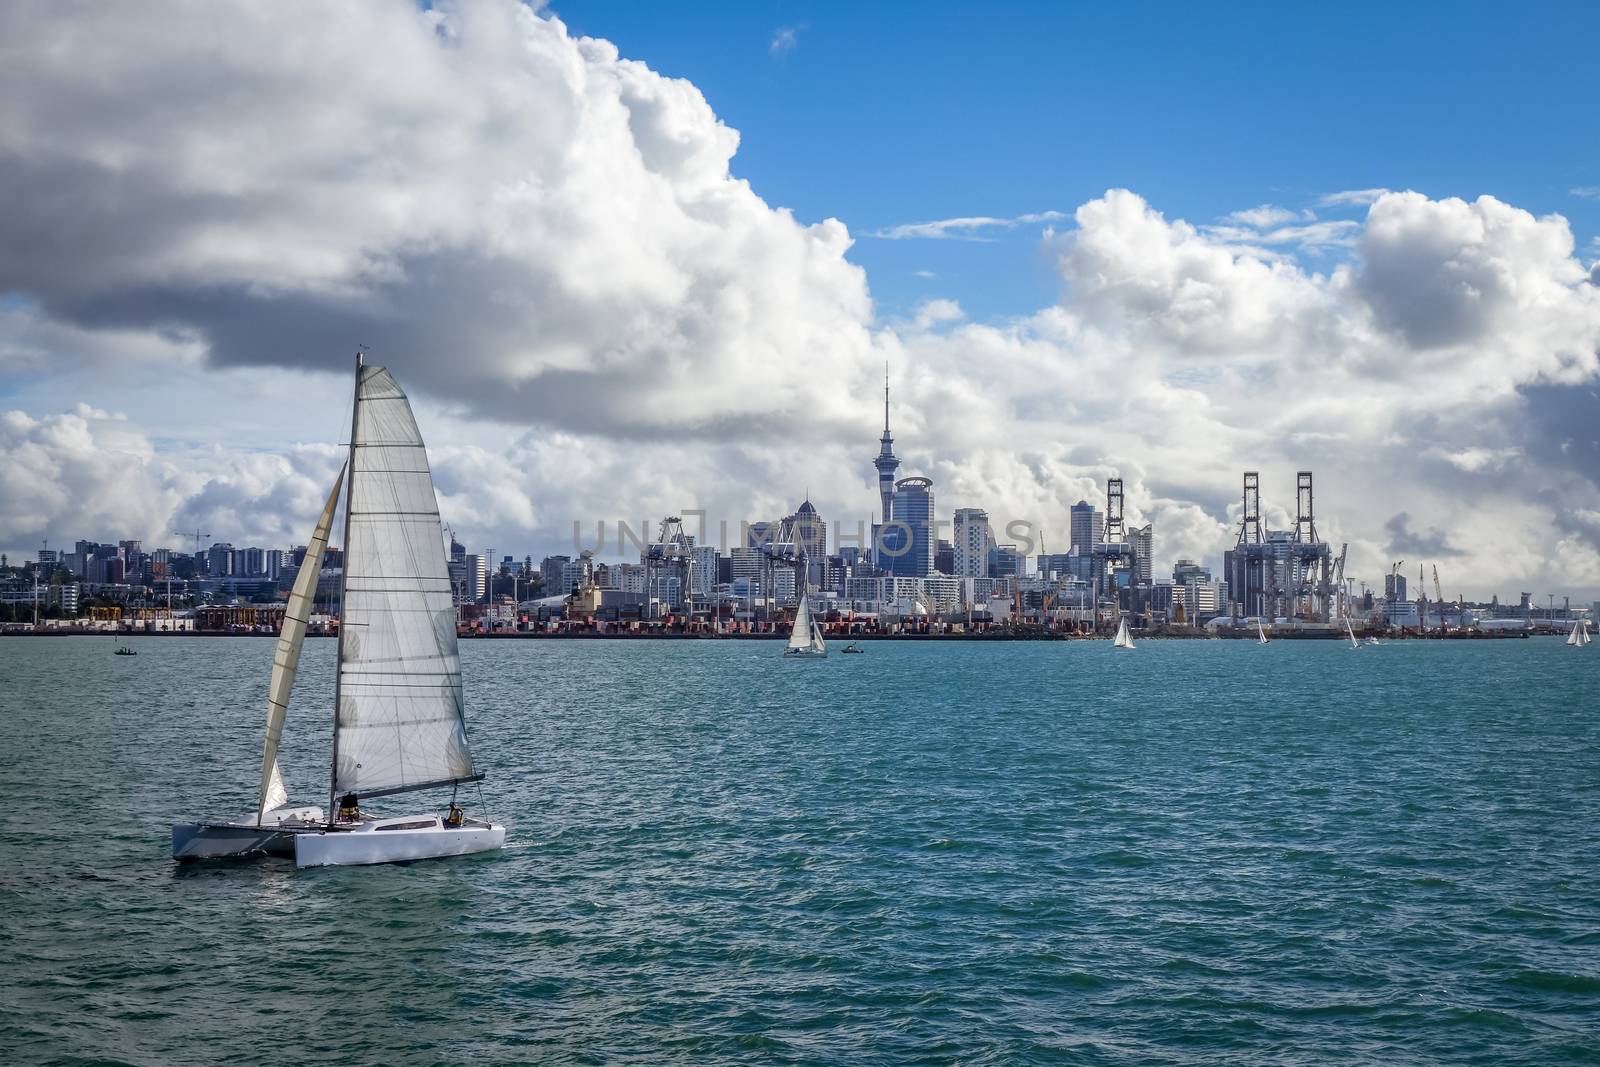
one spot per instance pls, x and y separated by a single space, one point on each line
395 841
398 840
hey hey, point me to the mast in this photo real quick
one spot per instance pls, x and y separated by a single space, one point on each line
344 575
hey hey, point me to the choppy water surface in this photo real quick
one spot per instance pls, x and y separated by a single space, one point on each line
1018 853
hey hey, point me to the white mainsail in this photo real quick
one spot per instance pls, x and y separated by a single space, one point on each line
800 637
1261 634
1123 639
286 658
399 723
1351 631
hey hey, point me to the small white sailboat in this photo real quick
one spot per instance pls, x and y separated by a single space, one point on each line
1123 638
399 725
1579 635
1351 631
805 639
1261 634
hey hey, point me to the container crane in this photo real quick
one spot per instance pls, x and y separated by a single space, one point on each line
1438 597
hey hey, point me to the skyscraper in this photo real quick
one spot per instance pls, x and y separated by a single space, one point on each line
1088 527
810 534
887 464
973 541
1144 543
909 542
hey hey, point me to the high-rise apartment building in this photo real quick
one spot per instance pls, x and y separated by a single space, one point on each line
973 541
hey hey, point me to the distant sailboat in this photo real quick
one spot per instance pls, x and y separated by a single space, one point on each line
398 721
805 639
1351 631
1261 634
1123 638
1579 635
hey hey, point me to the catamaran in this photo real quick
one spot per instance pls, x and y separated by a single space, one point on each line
1123 638
399 724
1579 635
805 639
1261 634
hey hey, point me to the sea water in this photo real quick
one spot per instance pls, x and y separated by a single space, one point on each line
938 852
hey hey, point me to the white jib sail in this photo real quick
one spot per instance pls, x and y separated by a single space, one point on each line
1261 633
286 658
1351 631
1123 639
800 636
400 722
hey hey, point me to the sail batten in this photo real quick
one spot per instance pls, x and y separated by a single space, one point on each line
286 657
400 722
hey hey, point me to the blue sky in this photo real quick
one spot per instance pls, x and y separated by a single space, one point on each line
883 114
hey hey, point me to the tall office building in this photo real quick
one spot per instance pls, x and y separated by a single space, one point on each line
810 535
1007 561
973 542
477 577
1144 542
703 574
908 541
219 560
1088 527
887 464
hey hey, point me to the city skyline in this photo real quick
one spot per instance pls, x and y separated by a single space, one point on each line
685 341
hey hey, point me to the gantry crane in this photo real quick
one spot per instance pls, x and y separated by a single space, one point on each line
1438 598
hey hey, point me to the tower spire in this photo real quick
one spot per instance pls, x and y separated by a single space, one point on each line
886 398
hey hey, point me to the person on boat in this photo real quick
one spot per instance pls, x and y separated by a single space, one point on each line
349 808
455 818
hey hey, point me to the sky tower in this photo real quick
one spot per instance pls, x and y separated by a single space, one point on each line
886 462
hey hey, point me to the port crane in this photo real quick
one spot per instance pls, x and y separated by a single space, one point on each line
673 552
1438 598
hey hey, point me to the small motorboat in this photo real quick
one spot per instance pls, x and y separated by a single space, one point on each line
124 650
851 648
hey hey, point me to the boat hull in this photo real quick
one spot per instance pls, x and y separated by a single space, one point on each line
244 837
210 841
394 841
